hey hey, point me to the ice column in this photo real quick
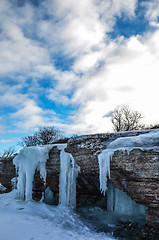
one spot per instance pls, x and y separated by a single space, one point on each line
119 202
34 158
27 161
104 168
67 185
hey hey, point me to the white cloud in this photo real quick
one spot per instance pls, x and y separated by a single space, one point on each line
25 113
78 26
104 74
128 7
152 8
11 96
19 52
6 140
2 128
73 27
87 61
132 65
30 116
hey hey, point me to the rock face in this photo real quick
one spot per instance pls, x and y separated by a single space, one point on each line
7 172
53 172
136 173
52 178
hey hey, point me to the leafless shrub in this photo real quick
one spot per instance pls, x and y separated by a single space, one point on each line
44 136
10 152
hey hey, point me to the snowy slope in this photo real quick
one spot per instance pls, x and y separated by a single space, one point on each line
36 221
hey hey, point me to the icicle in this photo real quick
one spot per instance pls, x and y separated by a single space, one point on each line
26 162
104 168
34 158
67 185
145 141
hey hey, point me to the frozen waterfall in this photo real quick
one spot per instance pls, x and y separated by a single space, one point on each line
104 168
120 203
67 185
27 161
34 158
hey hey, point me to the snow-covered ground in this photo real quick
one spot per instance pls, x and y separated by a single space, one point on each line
32 220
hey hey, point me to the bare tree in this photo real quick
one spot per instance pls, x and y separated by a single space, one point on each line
47 135
7 153
44 136
29 141
125 119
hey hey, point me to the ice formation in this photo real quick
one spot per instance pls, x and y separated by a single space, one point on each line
27 161
67 185
2 188
119 202
49 196
14 183
104 168
145 141
34 158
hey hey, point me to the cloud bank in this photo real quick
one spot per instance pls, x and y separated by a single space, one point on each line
64 65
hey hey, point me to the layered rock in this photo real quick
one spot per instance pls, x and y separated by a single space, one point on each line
7 172
53 172
136 173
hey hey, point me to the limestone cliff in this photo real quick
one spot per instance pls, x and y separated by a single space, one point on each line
136 173
7 172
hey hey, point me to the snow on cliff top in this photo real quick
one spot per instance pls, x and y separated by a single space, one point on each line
143 141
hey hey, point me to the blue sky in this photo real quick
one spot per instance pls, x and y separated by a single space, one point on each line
69 63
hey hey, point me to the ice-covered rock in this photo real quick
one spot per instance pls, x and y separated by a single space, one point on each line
135 172
119 202
67 185
148 141
14 183
49 196
27 161
34 158
2 188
